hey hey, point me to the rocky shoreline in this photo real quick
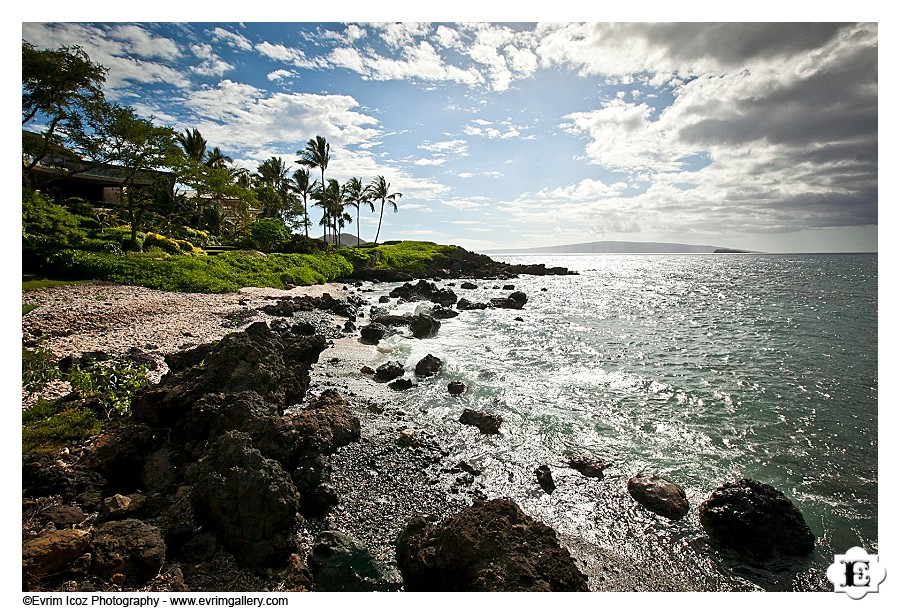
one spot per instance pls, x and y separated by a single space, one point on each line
214 486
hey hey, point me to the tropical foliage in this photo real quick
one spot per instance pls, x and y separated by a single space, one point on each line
180 195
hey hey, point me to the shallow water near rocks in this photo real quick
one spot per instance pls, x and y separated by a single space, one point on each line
701 368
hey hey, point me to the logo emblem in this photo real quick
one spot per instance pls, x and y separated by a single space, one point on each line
856 573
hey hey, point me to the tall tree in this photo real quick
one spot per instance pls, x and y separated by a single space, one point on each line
193 144
332 202
273 186
56 85
301 185
216 159
380 190
356 195
114 133
317 154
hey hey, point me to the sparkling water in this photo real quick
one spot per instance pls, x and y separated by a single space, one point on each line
700 368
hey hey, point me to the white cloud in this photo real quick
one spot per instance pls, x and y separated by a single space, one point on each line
211 64
234 115
455 146
430 161
398 35
419 61
488 130
232 39
279 75
112 52
476 202
143 43
282 53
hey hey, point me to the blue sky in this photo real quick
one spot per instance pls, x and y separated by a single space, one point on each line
760 136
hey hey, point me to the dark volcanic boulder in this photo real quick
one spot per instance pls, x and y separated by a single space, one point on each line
537 269
403 383
325 424
249 501
128 547
756 519
424 326
588 466
489 424
491 546
443 313
465 304
545 478
388 371
456 388
274 366
42 476
319 429
424 291
119 454
373 333
516 300
659 495
429 365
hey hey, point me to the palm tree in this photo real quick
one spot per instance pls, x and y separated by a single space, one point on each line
193 144
356 195
272 177
316 155
331 201
241 176
379 189
216 159
301 185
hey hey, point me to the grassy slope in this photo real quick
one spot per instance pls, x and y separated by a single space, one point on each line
230 271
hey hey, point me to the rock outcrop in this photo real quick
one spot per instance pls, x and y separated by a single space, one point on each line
588 466
250 501
491 546
755 519
545 478
212 463
429 365
424 290
659 495
341 563
489 424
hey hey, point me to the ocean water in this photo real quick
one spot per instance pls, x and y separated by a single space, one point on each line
700 368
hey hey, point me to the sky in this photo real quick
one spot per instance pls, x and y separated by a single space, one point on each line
751 135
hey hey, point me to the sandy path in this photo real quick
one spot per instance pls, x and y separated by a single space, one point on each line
73 319
101 316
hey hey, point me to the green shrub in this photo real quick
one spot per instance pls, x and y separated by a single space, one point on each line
47 229
79 206
38 368
300 244
101 245
110 387
196 237
229 271
407 256
269 234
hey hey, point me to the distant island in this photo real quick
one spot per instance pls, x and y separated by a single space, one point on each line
623 247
